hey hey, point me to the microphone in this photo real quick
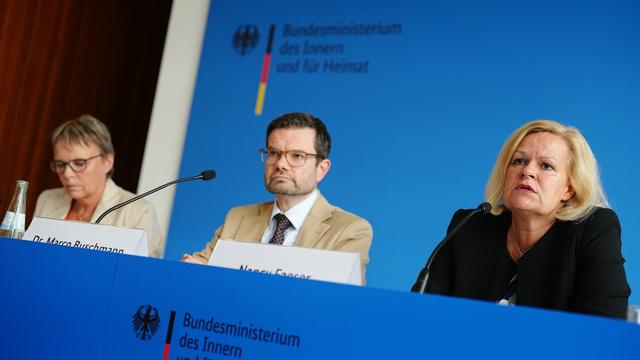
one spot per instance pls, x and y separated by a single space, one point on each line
205 176
421 283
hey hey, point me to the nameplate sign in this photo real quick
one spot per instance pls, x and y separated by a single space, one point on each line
291 261
84 235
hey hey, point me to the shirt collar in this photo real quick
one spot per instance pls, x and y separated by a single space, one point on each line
299 212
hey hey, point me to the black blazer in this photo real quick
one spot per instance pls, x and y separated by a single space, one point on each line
576 266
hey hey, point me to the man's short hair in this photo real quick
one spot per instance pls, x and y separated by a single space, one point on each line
304 120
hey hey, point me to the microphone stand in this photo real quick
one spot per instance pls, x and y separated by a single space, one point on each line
205 175
420 285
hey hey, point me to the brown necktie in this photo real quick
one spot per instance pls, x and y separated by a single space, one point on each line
282 224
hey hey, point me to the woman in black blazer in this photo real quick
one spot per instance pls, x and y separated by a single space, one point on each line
551 239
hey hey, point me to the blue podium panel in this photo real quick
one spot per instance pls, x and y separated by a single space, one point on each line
77 304
54 300
256 316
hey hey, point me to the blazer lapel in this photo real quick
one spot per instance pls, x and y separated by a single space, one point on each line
61 206
252 227
108 197
314 225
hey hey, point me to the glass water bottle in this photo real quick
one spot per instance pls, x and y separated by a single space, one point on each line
13 222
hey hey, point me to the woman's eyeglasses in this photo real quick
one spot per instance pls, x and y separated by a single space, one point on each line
77 165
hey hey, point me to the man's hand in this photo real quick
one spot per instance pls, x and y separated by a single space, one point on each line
190 259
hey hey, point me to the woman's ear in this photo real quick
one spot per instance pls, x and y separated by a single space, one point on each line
107 162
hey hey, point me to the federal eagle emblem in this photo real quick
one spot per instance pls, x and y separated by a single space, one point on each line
245 38
145 322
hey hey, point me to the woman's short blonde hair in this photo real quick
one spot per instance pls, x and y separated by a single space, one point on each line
84 130
584 175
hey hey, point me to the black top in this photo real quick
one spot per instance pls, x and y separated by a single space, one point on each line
576 266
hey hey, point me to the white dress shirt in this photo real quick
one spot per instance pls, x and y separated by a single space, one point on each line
296 216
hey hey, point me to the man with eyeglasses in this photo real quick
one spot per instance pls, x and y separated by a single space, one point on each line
296 160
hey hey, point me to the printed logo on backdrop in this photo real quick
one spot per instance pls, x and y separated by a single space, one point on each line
145 322
312 49
245 38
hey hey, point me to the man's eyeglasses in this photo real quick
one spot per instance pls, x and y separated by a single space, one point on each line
295 158
77 165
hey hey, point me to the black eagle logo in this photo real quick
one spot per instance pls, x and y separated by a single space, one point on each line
145 322
245 38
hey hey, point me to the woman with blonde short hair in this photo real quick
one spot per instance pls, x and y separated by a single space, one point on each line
551 239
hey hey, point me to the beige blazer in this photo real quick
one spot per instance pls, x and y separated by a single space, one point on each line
55 204
325 227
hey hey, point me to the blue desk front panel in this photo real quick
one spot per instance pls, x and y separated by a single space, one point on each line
54 301
340 321
68 303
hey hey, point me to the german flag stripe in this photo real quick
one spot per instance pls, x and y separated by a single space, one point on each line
262 87
167 343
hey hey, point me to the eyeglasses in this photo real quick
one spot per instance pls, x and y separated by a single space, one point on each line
77 165
295 158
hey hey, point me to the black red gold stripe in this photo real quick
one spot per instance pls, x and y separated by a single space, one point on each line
167 343
262 88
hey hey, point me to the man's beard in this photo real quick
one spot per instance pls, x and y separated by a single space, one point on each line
282 189
287 189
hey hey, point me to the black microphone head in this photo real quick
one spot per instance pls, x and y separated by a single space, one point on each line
208 175
486 207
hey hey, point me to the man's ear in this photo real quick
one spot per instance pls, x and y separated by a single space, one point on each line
322 168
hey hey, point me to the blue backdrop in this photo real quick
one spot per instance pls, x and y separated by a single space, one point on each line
418 96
